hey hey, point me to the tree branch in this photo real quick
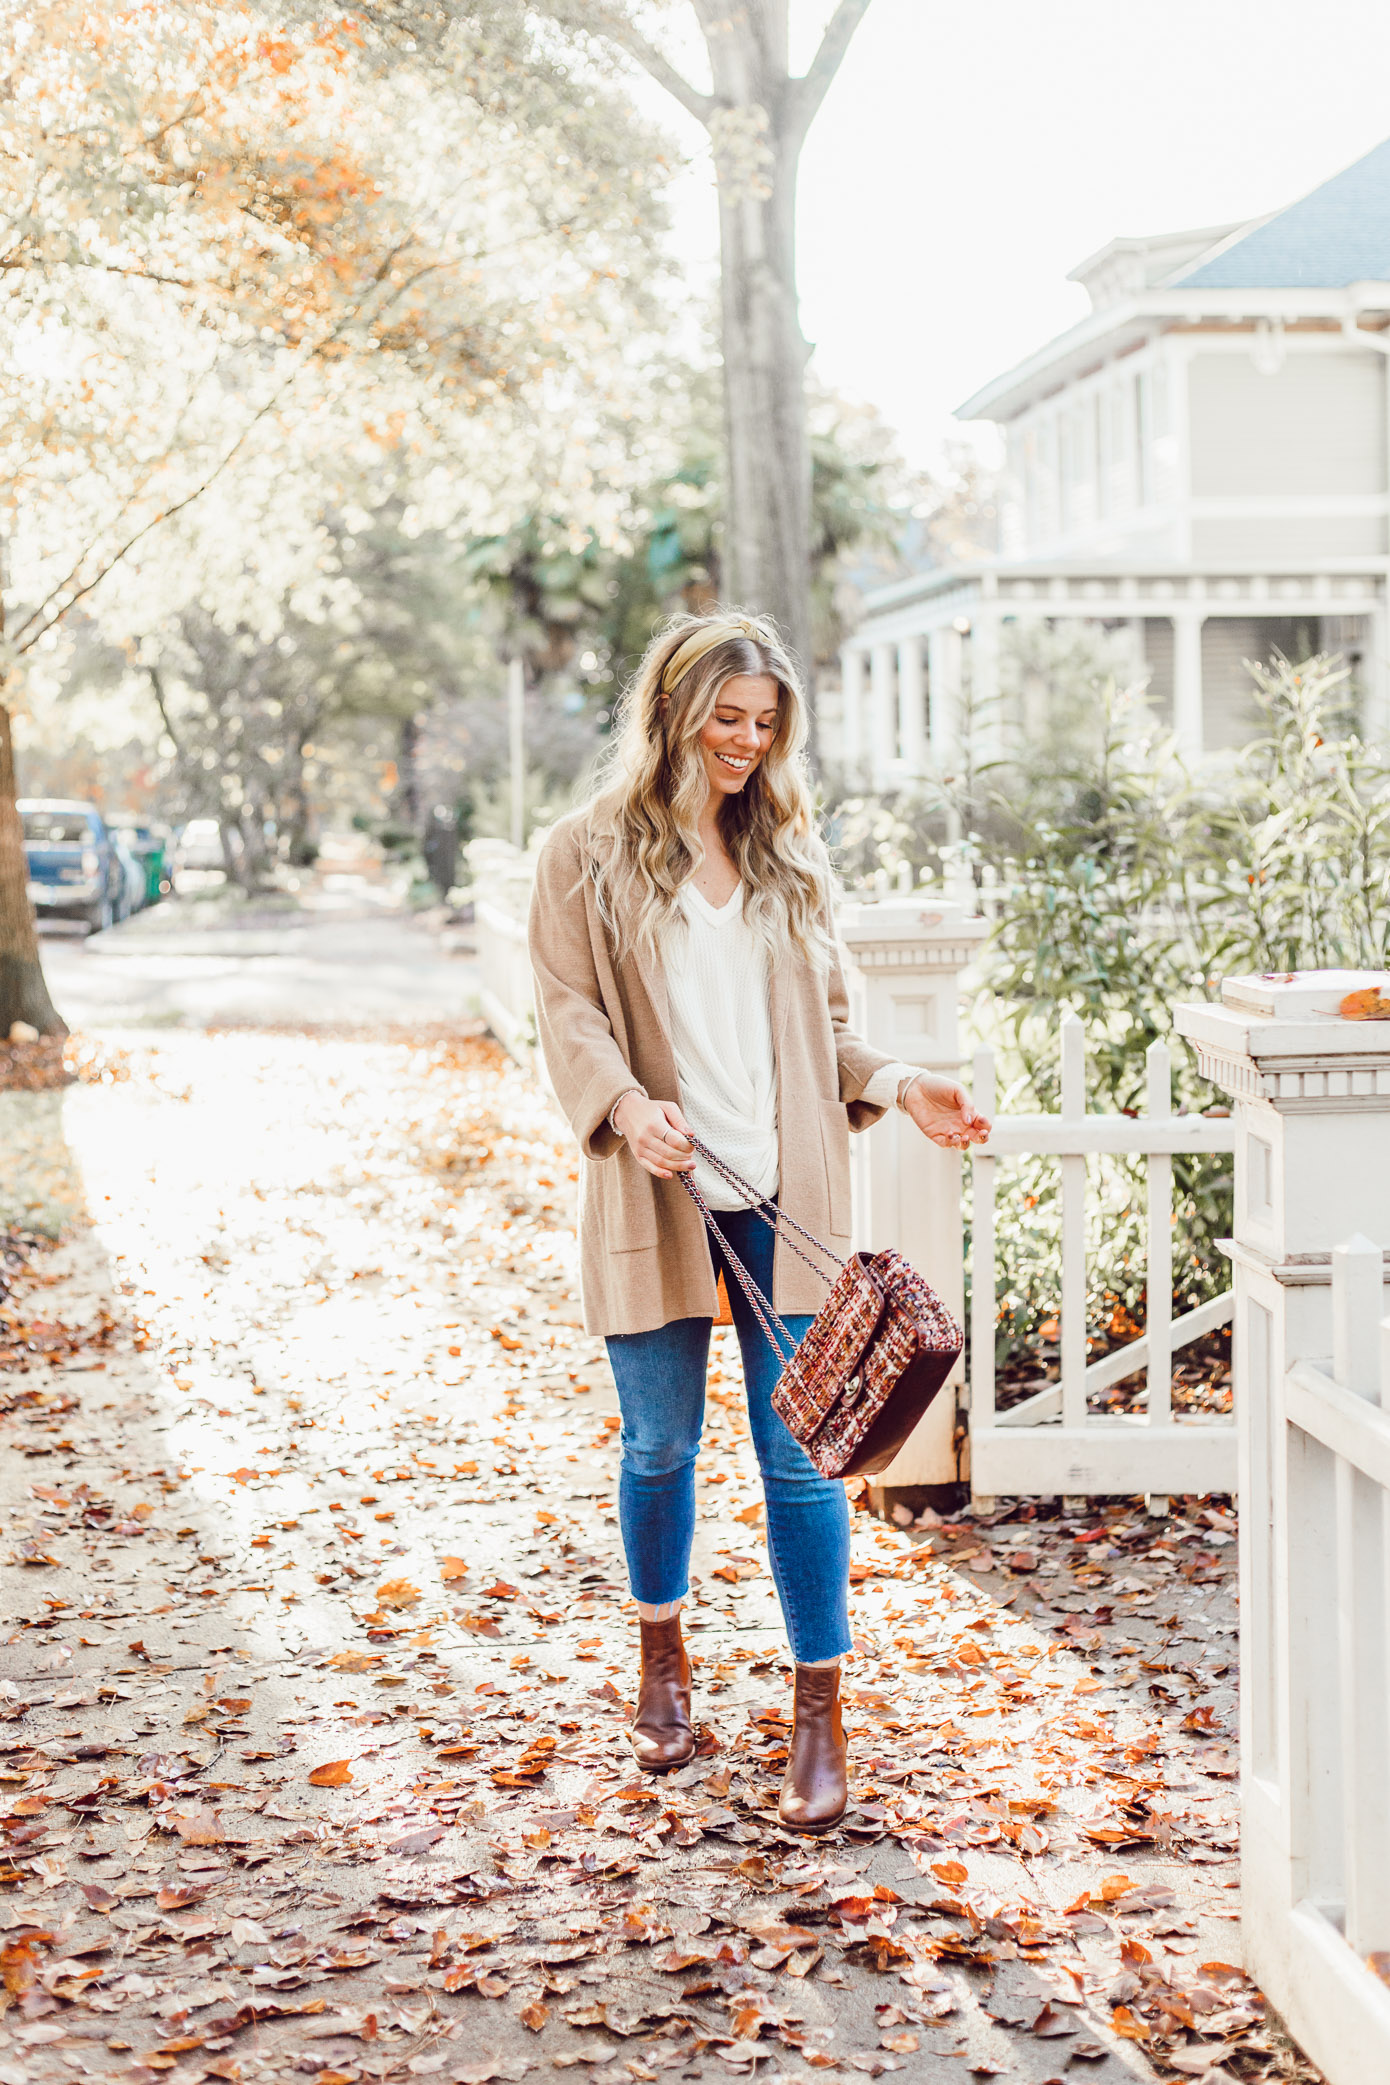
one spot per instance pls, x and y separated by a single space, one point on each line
38 622
807 93
629 38
158 686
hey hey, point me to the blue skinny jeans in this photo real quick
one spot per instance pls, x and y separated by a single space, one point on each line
661 1389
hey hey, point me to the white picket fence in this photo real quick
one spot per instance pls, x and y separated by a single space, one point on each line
1053 1442
1315 1680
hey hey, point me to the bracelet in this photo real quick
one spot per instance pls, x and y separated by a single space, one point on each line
641 1093
906 1087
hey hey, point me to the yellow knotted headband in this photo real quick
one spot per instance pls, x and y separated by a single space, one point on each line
704 640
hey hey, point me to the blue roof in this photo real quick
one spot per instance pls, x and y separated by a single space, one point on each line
1337 235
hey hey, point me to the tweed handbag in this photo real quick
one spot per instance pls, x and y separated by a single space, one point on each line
872 1359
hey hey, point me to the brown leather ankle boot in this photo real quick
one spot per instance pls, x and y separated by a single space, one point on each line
814 1791
661 1737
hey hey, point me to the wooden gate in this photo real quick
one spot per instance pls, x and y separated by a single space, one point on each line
1055 1442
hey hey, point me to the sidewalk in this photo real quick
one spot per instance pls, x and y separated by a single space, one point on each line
319 1653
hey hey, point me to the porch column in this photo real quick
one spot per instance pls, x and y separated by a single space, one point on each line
1187 683
944 683
912 706
986 721
883 695
1312 1101
906 958
852 705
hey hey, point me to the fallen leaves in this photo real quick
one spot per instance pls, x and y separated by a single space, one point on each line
488 1759
398 1593
334 1773
199 1827
19 1958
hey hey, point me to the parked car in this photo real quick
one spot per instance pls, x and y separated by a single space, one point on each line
150 844
74 869
199 846
133 873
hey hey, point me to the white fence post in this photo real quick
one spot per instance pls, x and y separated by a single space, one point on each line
1158 1293
1073 1312
907 955
982 1296
1312 1389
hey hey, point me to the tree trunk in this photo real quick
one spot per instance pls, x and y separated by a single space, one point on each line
406 797
23 991
757 117
301 847
767 527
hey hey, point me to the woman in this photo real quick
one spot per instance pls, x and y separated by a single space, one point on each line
687 982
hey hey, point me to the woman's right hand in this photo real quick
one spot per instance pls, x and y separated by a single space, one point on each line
657 1134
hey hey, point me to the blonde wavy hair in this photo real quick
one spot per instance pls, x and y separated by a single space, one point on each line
653 788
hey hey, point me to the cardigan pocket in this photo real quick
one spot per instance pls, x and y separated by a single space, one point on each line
626 1205
834 1130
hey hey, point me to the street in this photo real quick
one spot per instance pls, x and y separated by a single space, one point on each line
319 1651
341 953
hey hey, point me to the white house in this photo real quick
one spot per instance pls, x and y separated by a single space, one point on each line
1203 463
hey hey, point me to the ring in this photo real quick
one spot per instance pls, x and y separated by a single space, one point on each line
665 1136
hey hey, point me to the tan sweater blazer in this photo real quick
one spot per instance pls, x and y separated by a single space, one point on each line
604 1028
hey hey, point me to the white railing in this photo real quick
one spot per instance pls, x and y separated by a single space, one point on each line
1052 1442
1315 1674
502 879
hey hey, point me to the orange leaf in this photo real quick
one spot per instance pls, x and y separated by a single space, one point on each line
397 1592
1365 1006
452 1568
1129 2026
953 1872
332 1774
534 2015
18 1964
505 1340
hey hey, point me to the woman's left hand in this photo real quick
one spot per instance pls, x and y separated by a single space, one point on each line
943 1111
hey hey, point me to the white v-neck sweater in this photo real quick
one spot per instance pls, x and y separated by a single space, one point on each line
718 994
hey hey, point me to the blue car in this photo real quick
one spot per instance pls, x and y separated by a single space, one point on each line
74 869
